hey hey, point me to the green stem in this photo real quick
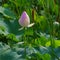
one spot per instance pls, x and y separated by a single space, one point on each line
25 42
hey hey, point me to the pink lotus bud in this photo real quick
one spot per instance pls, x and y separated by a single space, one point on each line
24 20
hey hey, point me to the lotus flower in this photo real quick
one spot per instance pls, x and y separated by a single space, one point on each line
24 20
